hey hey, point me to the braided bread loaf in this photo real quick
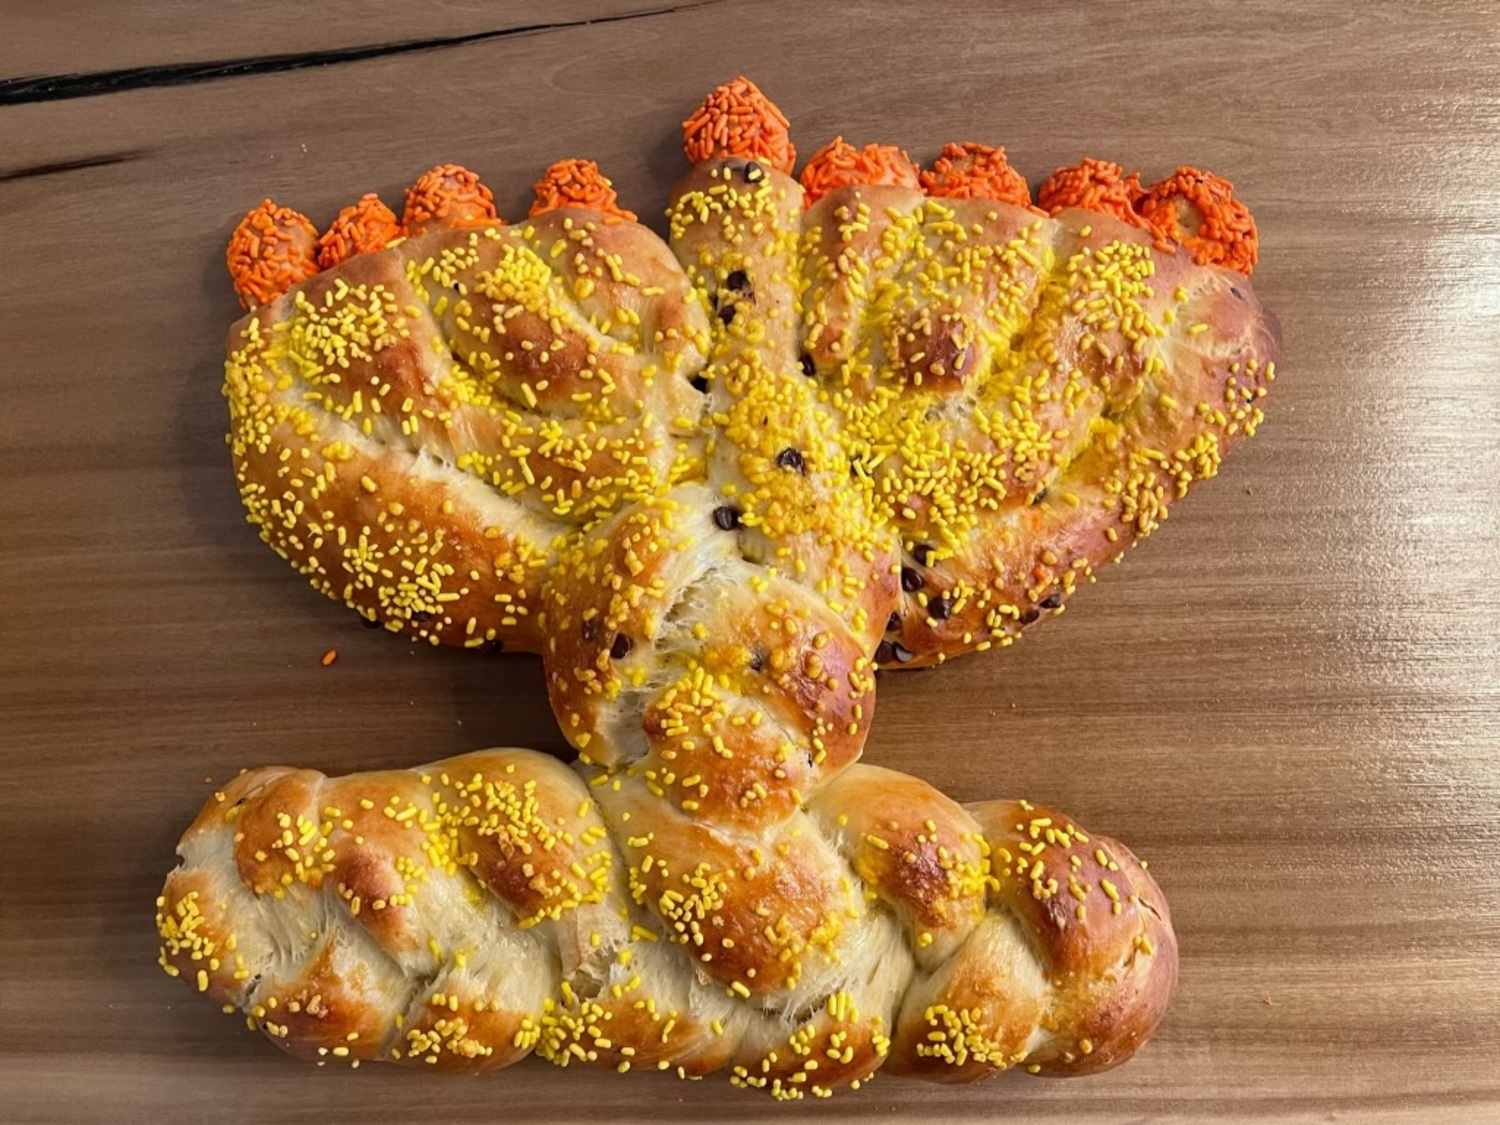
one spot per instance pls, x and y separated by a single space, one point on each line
938 413
885 428
467 913
913 425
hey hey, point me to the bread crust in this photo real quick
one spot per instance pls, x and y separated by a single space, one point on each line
715 485
467 913
940 416
417 428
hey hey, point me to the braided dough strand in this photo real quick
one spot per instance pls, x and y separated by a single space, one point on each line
714 496
938 414
466 913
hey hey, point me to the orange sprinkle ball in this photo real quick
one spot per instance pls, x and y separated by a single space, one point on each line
1199 210
270 251
736 119
577 183
838 164
447 196
367 226
1094 185
975 171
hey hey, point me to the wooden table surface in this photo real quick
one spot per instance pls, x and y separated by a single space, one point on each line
1289 699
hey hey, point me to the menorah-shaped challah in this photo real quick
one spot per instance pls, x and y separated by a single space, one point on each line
877 417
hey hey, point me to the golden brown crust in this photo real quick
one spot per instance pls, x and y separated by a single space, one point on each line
463 914
935 416
416 428
760 913
1098 920
885 426
996 363
978 1013
459 1033
931 870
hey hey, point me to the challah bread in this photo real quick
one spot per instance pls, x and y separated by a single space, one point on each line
482 435
464 914
417 428
1024 396
939 412
882 428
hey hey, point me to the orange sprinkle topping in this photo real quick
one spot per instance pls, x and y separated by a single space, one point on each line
577 183
1199 210
270 251
838 164
329 657
1094 185
361 229
975 171
447 196
736 119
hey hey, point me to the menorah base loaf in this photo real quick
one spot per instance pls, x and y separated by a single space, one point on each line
467 913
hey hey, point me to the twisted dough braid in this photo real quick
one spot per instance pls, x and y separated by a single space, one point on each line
881 430
1017 398
930 420
994 403
416 429
464 914
886 426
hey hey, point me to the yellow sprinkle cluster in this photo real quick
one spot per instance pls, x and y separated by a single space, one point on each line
184 930
877 397
958 1036
450 1034
829 1039
304 843
510 815
573 1029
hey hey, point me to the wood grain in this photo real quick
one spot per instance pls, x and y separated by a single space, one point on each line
1288 699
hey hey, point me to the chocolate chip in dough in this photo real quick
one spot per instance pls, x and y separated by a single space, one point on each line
790 458
621 647
911 580
808 367
738 283
754 173
940 608
893 623
1052 600
726 518
888 652
758 658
